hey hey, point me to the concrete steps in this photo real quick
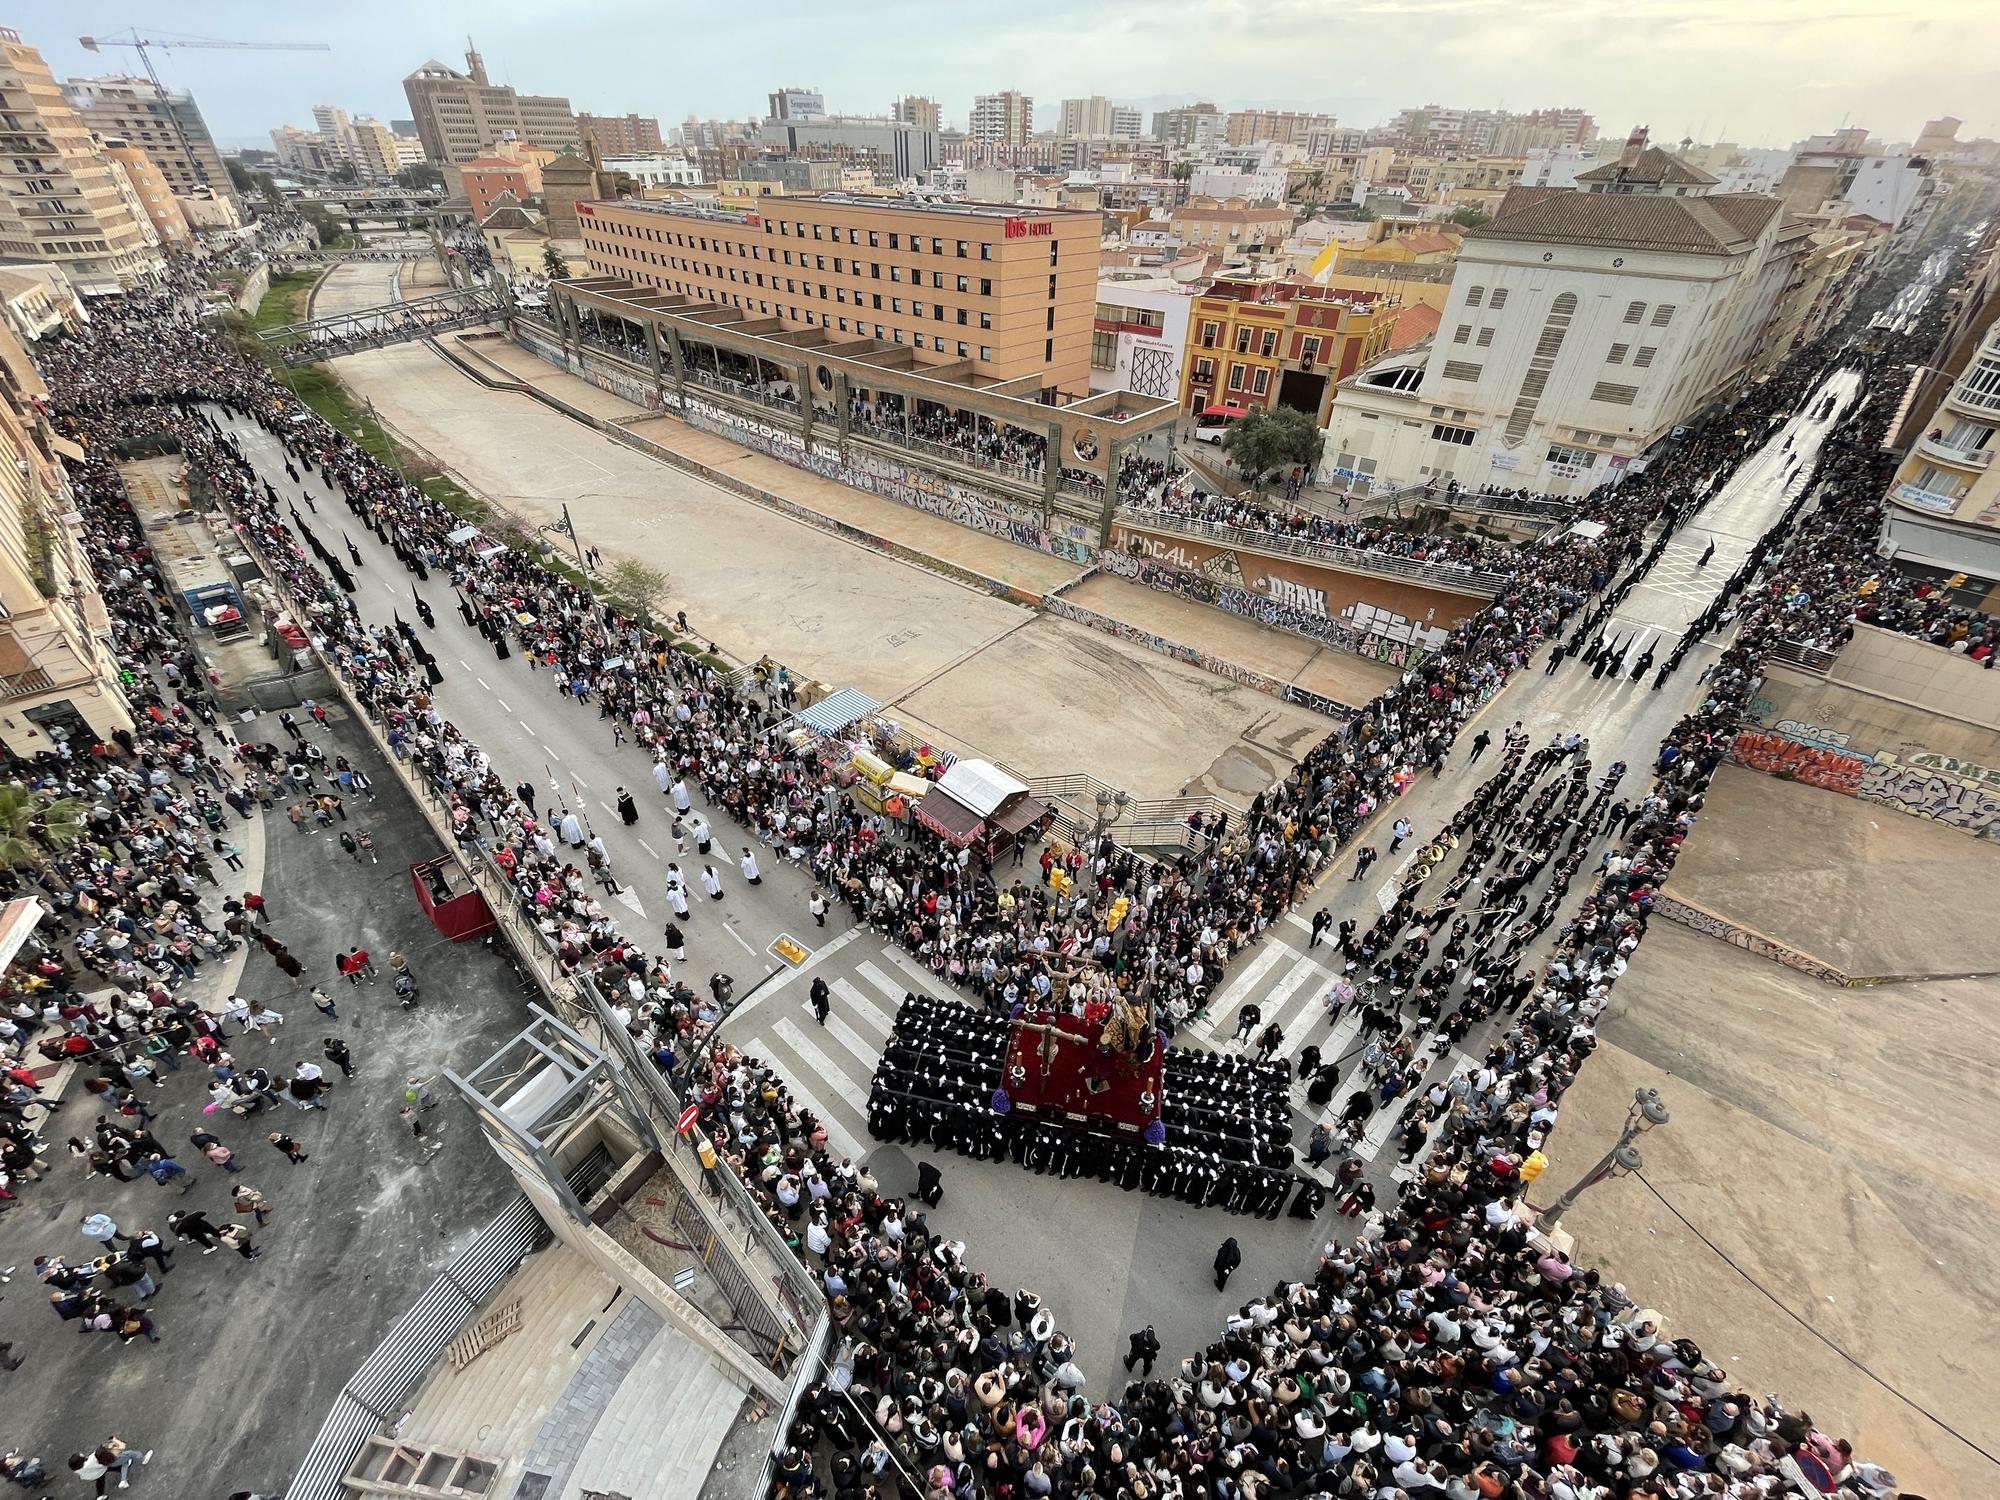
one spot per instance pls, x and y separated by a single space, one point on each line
660 1431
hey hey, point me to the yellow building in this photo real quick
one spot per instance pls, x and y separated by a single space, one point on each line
1944 504
1261 342
58 681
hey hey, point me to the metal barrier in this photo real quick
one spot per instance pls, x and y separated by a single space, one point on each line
1814 659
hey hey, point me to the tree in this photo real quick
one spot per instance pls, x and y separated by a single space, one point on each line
31 829
345 173
240 176
1309 185
323 223
420 175
632 588
1467 215
267 185
553 265
1267 441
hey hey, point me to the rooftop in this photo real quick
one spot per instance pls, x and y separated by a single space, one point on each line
1652 166
1719 224
860 200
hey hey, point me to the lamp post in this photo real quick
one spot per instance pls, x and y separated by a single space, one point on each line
1111 806
1648 1111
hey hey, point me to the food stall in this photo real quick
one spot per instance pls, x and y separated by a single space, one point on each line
976 805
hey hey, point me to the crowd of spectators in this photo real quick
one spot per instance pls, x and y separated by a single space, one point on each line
1445 1352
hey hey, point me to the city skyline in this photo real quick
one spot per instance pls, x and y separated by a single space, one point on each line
1706 70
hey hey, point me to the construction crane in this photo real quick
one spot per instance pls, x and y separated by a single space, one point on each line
142 44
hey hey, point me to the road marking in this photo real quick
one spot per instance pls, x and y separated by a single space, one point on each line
891 991
926 980
463 663
505 706
478 679
821 1067
525 725
549 753
862 1008
741 941
790 975
1226 1002
607 807
650 850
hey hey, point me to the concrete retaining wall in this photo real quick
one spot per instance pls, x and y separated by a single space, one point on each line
1846 738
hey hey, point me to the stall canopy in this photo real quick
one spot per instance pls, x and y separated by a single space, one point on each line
981 785
949 818
838 709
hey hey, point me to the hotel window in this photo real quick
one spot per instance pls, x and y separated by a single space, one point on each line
916 309
895 304
962 347
937 246
874 239
961 249
985 351
964 284
895 273
985 252
986 320
963 317
986 286
895 241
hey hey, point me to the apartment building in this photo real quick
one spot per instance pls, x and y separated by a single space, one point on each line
1003 119
892 149
1944 503
166 124
919 110
1139 335
156 199
1097 116
58 681
1245 127
621 135
1581 327
1268 341
796 104
460 115
1197 127
337 130
379 151
1009 291
61 200
1231 224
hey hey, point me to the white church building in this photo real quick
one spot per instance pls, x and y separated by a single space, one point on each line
1584 324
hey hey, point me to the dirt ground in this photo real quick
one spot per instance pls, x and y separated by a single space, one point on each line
1870 890
1055 697
1835 1145
963 667
1340 675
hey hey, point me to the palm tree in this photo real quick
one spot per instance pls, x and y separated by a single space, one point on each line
31 829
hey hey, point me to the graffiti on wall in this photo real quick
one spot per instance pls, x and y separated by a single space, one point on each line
1926 785
1699 919
876 473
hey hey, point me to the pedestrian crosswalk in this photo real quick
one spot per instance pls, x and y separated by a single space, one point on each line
828 1068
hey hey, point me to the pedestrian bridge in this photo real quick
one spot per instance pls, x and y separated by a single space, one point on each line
350 332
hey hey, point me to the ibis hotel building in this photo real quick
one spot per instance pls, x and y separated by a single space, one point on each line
1011 290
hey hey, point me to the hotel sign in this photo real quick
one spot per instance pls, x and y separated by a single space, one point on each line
1022 229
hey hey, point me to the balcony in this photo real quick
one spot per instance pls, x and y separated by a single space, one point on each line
25 684
1939 451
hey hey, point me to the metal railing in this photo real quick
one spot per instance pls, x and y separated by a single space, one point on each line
1459 576
23 684
1027 474
742 389
1815 659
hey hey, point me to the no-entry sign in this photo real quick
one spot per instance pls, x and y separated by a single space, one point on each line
688 1117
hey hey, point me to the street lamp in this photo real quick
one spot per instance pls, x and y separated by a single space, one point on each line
1648 1112
1111 806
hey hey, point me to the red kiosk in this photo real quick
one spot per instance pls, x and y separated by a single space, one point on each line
460 915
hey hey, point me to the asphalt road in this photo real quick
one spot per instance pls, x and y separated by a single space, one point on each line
1124 1260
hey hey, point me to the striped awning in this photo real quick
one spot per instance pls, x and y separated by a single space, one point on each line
837 710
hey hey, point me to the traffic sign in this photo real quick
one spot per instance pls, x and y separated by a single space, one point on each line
684 1281
688 1117
790 949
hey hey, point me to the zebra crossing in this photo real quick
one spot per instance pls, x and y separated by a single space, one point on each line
828 1068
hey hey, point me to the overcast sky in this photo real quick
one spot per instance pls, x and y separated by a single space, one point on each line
1758 72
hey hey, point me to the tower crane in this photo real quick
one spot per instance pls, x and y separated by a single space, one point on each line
143 45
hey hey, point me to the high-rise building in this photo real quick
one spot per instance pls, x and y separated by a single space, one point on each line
1288 127
1003 119
796 104
918 110
620 135
461 115
1090 116
61 200
165 124
1196 127
303 150
378 150
1127 123
1937 137
338 131
58 682
155 197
